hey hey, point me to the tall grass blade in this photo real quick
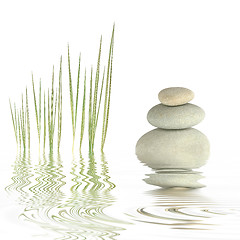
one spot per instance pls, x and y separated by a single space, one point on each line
83 113
76 103
40 109
52 114
22 115
71 95
95 96
28 121
19 130
100 100
49 123
107 92
60 105
37 111
55 113
90 115
109 97
14 122
44 125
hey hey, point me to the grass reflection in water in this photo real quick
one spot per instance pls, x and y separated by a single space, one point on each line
72 209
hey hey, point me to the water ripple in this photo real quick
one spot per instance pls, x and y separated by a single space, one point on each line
74 212
182 209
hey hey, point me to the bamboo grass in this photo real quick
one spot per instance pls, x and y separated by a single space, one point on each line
53 106
72 103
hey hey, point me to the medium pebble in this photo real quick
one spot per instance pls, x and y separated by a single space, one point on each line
175 96
179 117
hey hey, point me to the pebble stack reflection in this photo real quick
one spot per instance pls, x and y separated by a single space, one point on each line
174 148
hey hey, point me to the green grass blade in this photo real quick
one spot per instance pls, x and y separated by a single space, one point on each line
13 121
71 93
28 120
100 100
108 104
76 103
55 113
60 105
23 126
40 109
44 124
83 113
90 115
96 95
19 129
51 106
36 109
16 121
49 122
107 92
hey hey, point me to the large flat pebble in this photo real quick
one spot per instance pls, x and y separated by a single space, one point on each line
160 148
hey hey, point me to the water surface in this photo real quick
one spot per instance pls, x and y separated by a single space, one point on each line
85 200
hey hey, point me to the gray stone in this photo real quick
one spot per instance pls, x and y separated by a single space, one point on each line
186 148
175 96
188 179
178 117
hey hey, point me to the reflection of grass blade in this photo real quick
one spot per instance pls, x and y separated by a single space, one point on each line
83 113
14 122
107 92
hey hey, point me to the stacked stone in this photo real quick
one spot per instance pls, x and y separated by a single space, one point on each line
174 148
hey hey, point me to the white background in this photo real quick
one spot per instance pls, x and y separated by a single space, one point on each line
158 44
